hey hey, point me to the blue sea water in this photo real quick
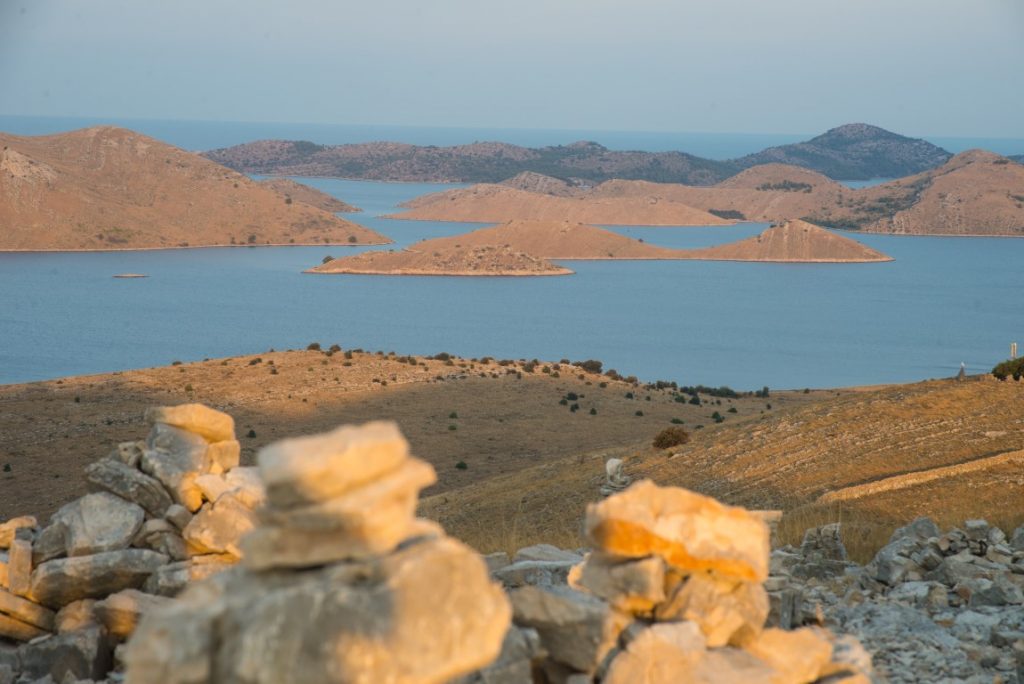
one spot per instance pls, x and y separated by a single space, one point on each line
943 301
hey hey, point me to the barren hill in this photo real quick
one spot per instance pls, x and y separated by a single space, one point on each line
854 151
505 250
467 260
498 203
109 188
309 195
794 241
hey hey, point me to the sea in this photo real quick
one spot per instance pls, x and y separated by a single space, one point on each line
942 302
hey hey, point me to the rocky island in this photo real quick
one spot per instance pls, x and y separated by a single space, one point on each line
107 188
523 248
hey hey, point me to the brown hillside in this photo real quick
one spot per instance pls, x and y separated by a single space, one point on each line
110 188
468 260
498 203
794 241
300 192
537 182
974 193
489 250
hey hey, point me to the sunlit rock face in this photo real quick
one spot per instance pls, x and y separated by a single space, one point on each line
339 581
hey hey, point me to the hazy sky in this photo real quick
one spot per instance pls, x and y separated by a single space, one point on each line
920 67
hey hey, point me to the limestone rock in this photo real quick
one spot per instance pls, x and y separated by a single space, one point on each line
496 560
534 573
50 543
19 567
26 611
178 515
219 527
245 481
798 656
171 579
18 630
8 529
76 615
161 536
514 663
576 629
689 531
727 611
546 552
661 654
128 483
128 453
224 455
176 458
83 654
98 522
309 470
632 586
120 613
209 423
59 582
388 620
3 570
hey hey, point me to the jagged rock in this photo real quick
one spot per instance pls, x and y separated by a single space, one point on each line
931 596
245 481
985 592
224 455
954 570
96 523
796 656
689 531
892 564
19 566
76 615
824 542
496 560
632 586
171 579
128 453
178 515
534 573
209 423
513 665
310 470
616 479
219 527
26 611
366 521
82 654
160 536
59 582
10 527
919 528
18 630
576 629
662 654
176 458
50 543
128 483
384 620
1017 539
547 553
785 608
120 613
727 611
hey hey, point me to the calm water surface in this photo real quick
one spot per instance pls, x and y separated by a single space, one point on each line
943 301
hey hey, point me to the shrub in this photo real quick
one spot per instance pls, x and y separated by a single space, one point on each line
452 428
727 214
717 417
732 409
676 421
695 400
762 393
461 465
251 434
327 259
572 396
639 413
574 408
590 365
593 411
175 363
188 387
670 437
1011 368
313 346
629 395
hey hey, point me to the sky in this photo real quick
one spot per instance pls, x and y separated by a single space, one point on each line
919 67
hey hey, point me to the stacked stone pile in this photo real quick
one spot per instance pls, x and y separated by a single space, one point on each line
931 606
160 513
339 581
672 592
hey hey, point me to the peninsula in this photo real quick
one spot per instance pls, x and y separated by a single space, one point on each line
107 188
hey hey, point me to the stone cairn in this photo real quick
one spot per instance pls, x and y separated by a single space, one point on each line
616 479
339 581
160 513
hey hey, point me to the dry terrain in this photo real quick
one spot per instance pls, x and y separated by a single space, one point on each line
300 192
872 457
974 193
49 431
108 188
499 203
505 250
456 260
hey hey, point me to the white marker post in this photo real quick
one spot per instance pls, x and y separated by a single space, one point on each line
1013 350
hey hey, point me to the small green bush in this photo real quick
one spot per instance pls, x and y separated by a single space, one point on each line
1011 368
461 465
453 415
